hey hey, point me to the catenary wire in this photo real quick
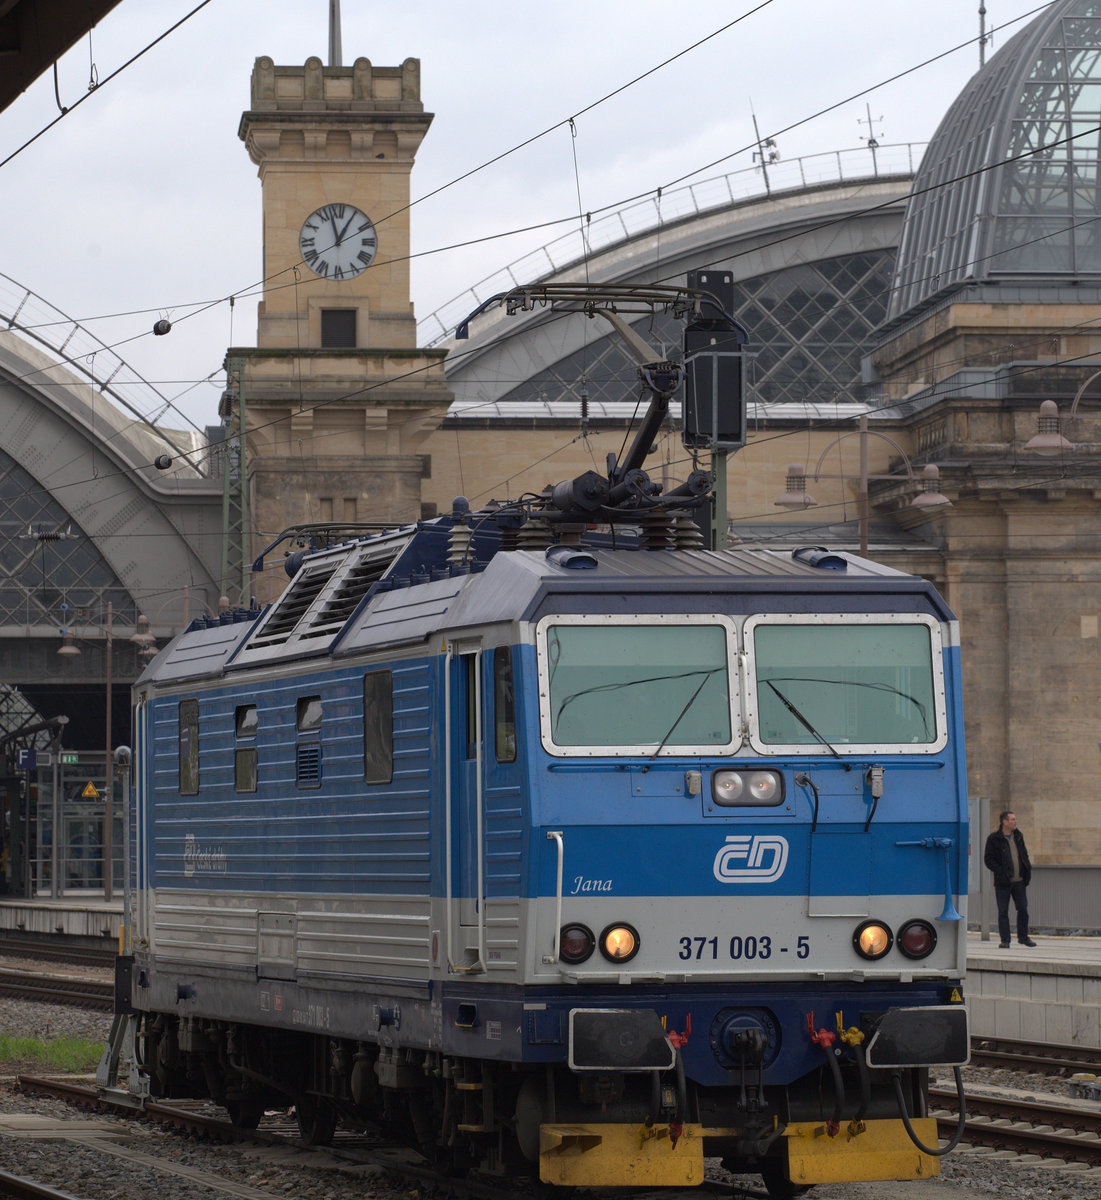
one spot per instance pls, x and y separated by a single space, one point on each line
103 82
583 110
205 306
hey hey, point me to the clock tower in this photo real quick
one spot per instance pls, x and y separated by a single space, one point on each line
336 397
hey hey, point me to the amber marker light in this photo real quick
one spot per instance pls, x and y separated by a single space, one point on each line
619 943
872 939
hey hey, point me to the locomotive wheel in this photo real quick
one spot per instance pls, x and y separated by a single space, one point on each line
316 1121
245 1112
778 1185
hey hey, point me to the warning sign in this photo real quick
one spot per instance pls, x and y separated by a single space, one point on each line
89 792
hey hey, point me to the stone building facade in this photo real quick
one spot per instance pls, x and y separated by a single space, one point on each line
336 397
991 308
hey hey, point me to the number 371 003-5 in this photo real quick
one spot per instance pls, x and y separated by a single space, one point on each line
740 947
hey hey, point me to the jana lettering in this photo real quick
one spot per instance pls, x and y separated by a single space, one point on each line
581 884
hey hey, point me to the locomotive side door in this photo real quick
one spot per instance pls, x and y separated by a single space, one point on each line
465 843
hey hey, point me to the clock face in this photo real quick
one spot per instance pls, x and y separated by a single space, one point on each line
338 241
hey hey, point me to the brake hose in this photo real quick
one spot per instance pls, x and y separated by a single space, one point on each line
910 1129
865 1084
834 1123
825 1039
682 1088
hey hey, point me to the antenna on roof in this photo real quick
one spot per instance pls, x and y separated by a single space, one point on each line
767 151
870 140
984 37
335 55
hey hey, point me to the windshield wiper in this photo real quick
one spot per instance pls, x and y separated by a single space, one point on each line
878 687
626 683
800 718
680 715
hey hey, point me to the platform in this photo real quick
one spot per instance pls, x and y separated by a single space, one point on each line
86 915
1047 993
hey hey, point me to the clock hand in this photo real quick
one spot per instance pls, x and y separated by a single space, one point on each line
340 236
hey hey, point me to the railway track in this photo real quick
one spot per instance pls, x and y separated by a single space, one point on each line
1067 1132
1039 1058
356 1149
80 991
26 1189
1024 1126
58 949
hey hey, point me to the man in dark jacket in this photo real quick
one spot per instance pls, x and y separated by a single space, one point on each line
1007 856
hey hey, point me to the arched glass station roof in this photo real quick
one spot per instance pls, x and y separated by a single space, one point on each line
810 324
1009 184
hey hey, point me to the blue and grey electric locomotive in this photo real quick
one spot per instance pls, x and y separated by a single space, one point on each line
563 850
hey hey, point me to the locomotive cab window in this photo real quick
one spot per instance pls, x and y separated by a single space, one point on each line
468 666
845 683
652 685
504 706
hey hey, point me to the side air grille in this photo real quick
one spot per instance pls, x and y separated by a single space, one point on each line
309 765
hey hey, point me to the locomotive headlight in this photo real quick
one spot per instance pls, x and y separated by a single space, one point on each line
730 788
764 786
619 943
917 939
575 943
727 787
872 939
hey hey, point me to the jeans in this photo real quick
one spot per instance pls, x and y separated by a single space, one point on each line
1020 900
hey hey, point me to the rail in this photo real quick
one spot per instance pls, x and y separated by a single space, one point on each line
1026 1139
19 1188
1041 1058
71 991
663 208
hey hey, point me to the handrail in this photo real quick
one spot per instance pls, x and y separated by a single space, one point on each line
555 835
453 904
663 208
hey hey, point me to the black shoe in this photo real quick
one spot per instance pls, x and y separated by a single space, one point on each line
1026 941
1003 945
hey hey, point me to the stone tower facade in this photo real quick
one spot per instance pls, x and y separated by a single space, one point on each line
337 398
1020 549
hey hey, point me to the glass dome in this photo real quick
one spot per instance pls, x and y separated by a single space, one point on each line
1009 184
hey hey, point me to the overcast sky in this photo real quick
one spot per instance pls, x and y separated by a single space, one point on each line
143 201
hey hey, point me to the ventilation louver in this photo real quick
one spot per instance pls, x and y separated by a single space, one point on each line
293 605
309 765
321 598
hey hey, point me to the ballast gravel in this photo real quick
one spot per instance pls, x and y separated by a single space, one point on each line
257 1172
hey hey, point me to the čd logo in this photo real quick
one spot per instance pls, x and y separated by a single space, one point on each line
760 858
